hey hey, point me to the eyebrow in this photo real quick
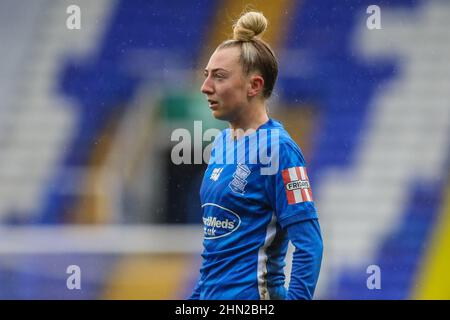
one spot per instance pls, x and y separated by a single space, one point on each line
216 69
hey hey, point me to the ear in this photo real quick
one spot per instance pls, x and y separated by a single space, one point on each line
255 86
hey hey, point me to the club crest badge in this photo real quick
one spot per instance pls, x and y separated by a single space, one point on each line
239 181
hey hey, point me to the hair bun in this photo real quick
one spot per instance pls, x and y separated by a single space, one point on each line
249 26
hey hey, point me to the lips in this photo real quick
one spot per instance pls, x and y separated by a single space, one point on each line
213 103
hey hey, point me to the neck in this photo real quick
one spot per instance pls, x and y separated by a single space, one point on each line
250 119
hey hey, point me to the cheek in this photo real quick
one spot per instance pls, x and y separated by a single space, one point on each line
224 92
232 93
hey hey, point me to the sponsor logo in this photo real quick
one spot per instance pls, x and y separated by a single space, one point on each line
299 184
296 182
219 221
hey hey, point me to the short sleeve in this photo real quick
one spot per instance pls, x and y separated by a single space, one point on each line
288 189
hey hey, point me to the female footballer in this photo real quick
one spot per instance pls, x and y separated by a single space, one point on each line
253 207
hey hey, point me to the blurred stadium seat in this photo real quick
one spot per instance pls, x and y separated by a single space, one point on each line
86 117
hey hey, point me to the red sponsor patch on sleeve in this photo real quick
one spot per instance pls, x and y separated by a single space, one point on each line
296 183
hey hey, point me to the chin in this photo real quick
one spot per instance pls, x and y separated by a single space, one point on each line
219 116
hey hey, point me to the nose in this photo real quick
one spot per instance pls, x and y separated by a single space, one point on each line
207 88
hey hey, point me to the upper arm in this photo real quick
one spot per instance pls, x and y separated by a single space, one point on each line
289 190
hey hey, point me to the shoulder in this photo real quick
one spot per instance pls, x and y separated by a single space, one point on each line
287 146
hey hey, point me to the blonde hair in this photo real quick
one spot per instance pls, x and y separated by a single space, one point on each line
256 54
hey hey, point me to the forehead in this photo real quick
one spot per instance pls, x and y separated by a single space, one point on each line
227 58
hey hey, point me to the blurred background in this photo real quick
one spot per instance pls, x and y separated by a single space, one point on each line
86 117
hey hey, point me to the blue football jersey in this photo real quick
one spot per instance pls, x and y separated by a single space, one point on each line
253 188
